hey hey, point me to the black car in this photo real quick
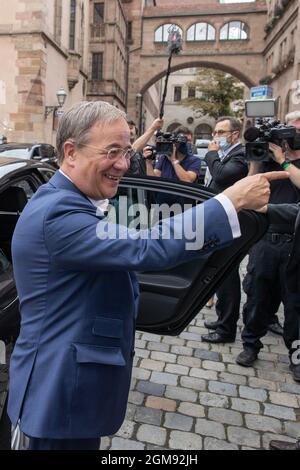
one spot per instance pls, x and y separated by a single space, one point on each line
169 299
44 153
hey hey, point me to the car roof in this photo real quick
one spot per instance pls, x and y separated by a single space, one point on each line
11 164
12 145
9 161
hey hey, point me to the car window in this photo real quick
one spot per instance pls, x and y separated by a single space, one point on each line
17 153
27 188
141 209
4 264
47 173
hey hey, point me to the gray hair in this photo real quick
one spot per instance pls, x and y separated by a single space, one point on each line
294 116
77 122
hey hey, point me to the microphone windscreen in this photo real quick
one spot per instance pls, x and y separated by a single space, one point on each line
251 134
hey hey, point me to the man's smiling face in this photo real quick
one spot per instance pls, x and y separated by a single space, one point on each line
88 166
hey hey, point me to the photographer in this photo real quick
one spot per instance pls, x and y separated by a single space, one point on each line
226 164
180 165
266 270
137 164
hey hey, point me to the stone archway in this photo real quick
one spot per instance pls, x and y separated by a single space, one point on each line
243 77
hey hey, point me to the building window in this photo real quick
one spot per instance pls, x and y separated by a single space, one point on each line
129 31
162 33
192 92
72 25
203 131
234 30
98 13
173 127
97 66
201 32
177 93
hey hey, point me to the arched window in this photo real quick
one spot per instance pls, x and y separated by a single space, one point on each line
201 32
162 33
203 131
234 30
287 104
173 127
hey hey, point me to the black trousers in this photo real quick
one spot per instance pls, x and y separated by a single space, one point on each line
265 279
63 444
228 304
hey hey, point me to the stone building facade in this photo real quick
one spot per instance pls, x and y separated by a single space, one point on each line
43 47
282 53
240 56
116 50
177 114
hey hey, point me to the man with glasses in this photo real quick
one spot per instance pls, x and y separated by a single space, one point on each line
226 164
75 274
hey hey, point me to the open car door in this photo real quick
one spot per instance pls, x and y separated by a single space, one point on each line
171 299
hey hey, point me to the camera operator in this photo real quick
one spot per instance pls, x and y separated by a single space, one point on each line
266 270
137 163
226 164
181 165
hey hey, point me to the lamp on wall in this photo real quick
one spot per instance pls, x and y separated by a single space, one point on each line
61 98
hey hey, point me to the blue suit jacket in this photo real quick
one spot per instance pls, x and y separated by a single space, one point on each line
71 367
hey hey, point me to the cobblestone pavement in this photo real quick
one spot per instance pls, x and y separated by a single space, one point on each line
190 395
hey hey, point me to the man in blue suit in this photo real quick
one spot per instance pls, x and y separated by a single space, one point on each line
71 367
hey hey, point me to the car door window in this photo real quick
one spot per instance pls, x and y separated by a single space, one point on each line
141 209
28 188
46 173
171 298
13 199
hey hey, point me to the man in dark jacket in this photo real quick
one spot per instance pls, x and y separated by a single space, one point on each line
290 214
226 156
226 164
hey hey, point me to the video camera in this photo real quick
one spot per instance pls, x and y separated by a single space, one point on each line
165 142
266 130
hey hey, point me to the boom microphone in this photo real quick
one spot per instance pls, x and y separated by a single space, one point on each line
251 134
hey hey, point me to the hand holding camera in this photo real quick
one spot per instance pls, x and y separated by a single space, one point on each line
277 153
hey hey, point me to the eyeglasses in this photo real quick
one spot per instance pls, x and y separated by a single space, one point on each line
115 153
220 132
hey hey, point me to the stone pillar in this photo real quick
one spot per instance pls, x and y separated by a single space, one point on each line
28 122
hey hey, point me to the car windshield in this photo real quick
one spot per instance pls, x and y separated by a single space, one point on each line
202 152
17 153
